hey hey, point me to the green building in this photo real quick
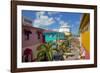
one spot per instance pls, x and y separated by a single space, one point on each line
53 36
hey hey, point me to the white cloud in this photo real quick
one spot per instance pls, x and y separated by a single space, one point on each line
55 29
61 22
64 23
57 18
42 20
52 13
38 14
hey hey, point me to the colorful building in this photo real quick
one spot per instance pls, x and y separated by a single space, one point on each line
31 38
53 36
85 35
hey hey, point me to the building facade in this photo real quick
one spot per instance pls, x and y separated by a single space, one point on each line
53 36
31 38
85 35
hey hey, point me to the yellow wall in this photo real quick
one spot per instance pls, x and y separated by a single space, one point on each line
85 39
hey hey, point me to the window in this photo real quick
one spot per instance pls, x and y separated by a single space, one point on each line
27 33
38 34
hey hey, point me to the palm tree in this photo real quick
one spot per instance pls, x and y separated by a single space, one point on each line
64 46
45 52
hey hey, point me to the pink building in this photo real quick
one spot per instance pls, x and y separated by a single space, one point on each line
31 38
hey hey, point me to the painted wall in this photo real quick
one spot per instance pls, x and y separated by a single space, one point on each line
33 37
85 39
33 40
53 36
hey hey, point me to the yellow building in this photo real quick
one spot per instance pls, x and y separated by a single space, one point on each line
85 32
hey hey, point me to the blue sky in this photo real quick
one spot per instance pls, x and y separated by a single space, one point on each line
53 20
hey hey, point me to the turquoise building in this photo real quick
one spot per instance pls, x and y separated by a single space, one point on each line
53 36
